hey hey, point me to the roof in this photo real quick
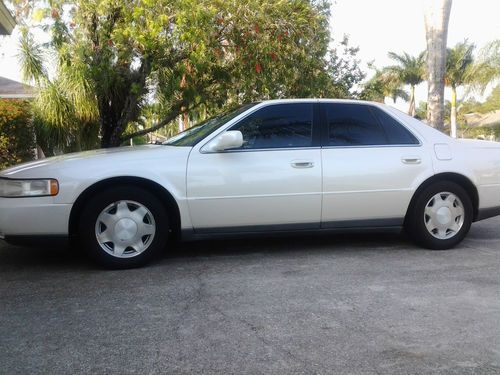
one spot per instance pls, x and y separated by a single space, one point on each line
319 100
7 22
10 89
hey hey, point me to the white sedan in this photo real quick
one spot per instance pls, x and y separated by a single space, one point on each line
274 166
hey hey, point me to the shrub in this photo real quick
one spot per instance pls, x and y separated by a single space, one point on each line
17 141
482 132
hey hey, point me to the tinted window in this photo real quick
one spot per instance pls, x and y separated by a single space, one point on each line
396 133
278 126
353 125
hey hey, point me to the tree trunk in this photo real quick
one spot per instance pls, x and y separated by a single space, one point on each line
453 115
437 16
185 119
111 130
411 110
106 129
180 124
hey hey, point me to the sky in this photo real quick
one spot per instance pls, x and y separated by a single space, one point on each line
377 27
380 26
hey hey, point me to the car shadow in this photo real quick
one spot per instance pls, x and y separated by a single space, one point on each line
290 244
42 257
52 258
66 257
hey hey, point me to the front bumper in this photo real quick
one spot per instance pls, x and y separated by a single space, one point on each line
33 217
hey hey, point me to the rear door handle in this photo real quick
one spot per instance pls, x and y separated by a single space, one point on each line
302 164
411 160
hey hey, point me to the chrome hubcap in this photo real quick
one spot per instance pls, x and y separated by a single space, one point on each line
125 229
444 215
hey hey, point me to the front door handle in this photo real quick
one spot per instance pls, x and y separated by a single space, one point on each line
411 160
302 164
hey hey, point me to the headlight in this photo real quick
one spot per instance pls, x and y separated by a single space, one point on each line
28 188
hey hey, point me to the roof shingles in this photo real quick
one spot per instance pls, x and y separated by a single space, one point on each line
10 89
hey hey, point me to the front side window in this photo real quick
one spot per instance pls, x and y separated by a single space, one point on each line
278 126
353 125
195 134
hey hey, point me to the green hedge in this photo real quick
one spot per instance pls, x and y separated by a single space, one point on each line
17 141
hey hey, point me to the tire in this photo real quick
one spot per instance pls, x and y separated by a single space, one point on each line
123 227
440 217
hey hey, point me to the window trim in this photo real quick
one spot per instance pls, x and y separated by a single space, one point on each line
325 129
266 149
315 132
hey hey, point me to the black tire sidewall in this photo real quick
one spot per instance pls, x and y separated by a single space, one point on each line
99 202
416 226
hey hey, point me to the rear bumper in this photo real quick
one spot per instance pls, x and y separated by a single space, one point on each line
33 217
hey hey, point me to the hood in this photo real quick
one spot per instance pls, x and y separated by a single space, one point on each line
90 161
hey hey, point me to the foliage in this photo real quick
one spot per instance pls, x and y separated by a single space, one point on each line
459 64
389 81
487 65
115 58
459 71
16 132
482 132
492 103
421 111
384 84
409 70
65 108
344 72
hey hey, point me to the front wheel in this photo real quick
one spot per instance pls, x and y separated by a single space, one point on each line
123 227
441 216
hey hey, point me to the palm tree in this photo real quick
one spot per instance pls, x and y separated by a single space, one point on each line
410 71
65 107
436 16
487 65
392 87
459 66
383 85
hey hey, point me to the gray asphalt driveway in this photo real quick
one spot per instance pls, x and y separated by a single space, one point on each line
329 304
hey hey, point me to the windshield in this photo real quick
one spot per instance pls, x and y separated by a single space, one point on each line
193 135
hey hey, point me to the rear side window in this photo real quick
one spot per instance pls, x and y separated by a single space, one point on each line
396 133
278 126
353 125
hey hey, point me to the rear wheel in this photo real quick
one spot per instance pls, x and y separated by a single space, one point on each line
441 216
123 227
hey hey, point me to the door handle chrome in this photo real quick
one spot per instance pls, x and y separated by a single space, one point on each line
411 160
302 164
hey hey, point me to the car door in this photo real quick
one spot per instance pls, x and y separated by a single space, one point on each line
372 164
273 182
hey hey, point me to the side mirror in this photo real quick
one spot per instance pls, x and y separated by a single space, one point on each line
226 140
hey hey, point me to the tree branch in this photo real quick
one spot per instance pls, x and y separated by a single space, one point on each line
176 111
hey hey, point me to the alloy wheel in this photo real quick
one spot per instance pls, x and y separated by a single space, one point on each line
125 229
444 215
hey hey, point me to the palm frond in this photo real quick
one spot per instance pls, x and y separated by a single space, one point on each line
487 66
409 69
79 91
31 59
53 107
459 64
